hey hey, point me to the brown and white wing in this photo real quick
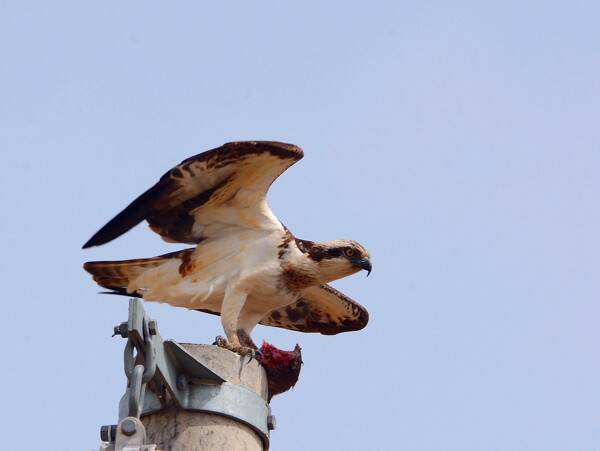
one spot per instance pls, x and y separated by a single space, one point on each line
322 309
226 184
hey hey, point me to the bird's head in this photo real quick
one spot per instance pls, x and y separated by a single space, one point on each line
339 258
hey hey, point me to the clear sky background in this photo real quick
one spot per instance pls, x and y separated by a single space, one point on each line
458 141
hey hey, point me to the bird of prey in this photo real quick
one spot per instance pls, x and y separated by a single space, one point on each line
246 265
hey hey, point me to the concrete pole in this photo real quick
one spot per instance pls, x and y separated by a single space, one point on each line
173 429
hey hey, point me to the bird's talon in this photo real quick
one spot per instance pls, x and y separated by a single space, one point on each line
221 342
254 354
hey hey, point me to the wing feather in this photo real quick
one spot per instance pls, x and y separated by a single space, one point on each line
236 175
322 309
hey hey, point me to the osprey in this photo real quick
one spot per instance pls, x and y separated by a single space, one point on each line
246 265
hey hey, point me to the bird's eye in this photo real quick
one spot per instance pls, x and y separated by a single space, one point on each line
350 252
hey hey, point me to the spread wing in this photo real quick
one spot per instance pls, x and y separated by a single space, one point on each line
322 309
226 185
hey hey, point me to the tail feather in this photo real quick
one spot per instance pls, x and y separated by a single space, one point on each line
120 291
117 275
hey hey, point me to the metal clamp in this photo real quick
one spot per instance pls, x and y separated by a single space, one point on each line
226 399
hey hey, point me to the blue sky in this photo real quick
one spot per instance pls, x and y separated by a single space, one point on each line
457 141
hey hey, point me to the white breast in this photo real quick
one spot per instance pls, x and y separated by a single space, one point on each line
247 257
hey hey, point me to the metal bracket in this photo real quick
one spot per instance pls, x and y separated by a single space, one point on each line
174 366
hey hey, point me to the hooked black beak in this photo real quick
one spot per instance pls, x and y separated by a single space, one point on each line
366 265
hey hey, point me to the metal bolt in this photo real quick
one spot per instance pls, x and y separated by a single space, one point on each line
152 327
271 422
108 433
121 330
181 382
128 427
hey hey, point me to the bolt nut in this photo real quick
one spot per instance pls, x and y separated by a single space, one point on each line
122 330
108 433
152 327
128 427
271 422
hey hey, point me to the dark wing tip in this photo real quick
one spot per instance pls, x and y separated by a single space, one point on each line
132 215
101 237
93 241
110 231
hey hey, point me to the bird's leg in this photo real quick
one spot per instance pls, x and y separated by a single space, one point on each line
247 320
245 339
233 302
